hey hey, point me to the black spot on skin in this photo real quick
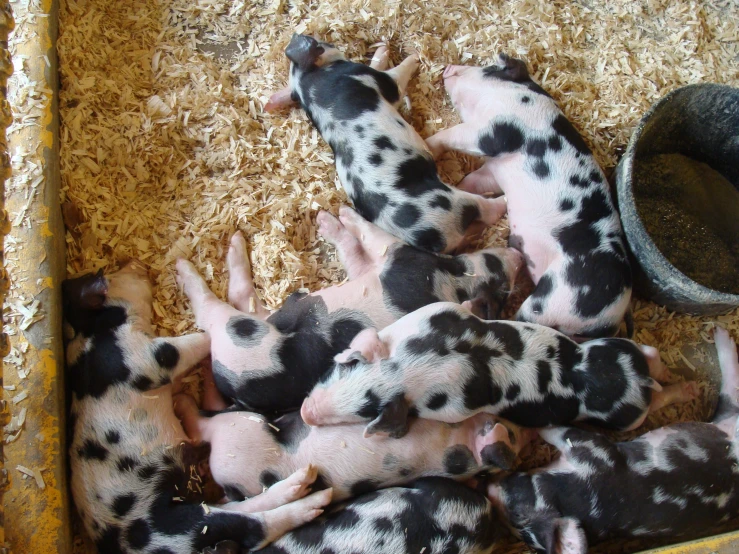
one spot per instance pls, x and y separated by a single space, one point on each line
166 355
292 430
600 279
243 327
383 524
541 169
268 478
580 182
553 410
578 238
405 471
498 455
384 143
406 216
513 391
123 504
425 344
509 336
364 486
93 450
442 202
147 472
375 159
110 540
162 551
112 436
554 143
566 204
143 383
596 177
501 139
437 401
359 130
470 214
564 129
343 153
369 204
234 492
544 375
126 463
537 308
371 407
550 352
525 99
138 533
544 287
536 147
458 460
429 239
595 207
417 176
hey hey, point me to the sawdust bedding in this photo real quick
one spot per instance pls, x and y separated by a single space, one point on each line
166 150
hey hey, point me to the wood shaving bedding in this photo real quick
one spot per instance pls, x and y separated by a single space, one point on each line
166 150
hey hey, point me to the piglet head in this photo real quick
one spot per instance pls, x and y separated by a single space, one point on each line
85 298
493 281
354 391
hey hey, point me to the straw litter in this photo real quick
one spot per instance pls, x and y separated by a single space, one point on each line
166 150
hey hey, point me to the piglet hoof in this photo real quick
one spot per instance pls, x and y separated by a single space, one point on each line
380 59
285 518
328 226
691 391
297 485
493 445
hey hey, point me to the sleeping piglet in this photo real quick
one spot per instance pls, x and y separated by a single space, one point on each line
559 203
442 362
382 162
679 480
269 363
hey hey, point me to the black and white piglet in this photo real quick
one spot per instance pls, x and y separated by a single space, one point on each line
559 204
269 363
679 480
430 515
383 163
126 448
442 362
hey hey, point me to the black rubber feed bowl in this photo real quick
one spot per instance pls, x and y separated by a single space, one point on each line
685 147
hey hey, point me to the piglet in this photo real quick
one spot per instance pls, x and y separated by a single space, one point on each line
127 445
250 451
443 363
675 481
559 204
269 363
382 162
410 519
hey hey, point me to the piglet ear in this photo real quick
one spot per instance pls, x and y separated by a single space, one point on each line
303 51
483 308
515 69
393 419
567 537
94 292
367 347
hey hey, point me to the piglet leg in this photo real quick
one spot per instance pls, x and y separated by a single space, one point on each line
286 518
187 412
674 394
462 137
241 292
212 398
295 487
381 59
280 100
402 73
351 252
728 403
481 181
374 240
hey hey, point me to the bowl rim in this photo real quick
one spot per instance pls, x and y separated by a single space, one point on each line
624 183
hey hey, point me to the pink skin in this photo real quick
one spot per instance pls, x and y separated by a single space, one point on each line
242 446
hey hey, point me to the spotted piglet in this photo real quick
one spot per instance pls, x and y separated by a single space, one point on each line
679 480
269 363
443 363
383 163
127 444
249 451
559 205
429 515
